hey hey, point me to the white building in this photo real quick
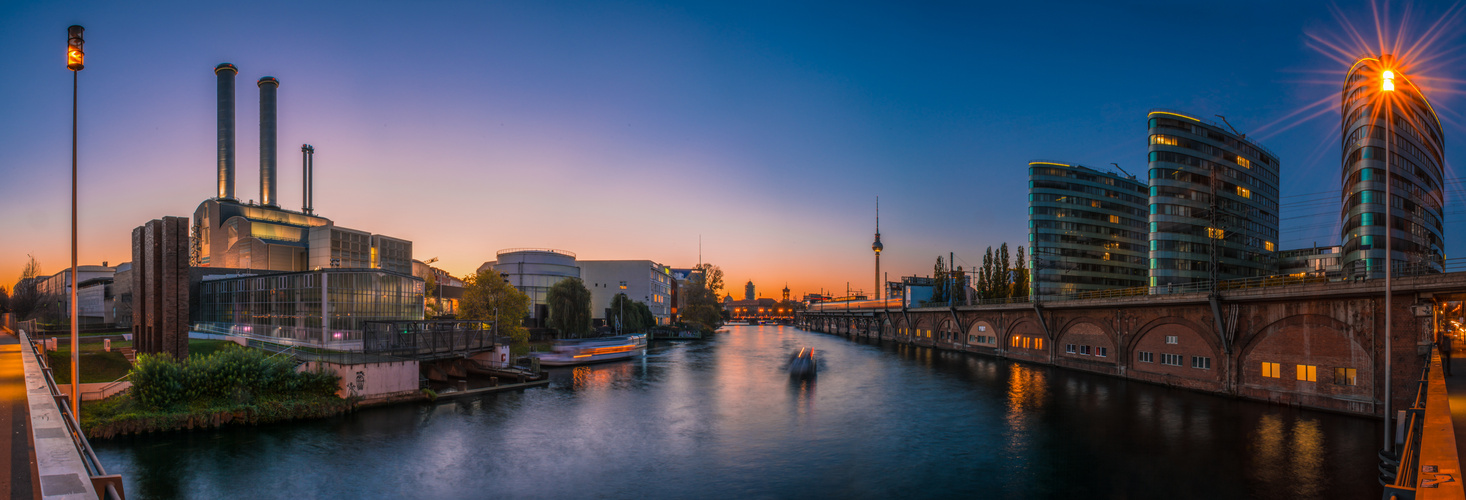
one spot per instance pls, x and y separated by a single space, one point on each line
643 281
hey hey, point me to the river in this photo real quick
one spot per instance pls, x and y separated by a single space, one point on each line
720 418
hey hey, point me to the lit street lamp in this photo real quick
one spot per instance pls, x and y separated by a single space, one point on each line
74 59
1387 89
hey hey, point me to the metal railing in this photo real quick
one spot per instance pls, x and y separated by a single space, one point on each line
1400 471
416 339
73 427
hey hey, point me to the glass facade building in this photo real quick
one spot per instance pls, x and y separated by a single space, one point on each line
1414 155
1209 187
289 308
533 271
1087 229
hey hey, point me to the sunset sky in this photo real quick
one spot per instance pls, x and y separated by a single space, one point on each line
627 130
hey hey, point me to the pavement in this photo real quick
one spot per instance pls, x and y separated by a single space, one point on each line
18 477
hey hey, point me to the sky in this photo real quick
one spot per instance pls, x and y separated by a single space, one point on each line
636 130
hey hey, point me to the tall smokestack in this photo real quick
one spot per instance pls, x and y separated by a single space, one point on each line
267 85
307 175
225 74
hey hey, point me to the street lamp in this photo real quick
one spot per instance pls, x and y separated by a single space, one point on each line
74 61
1387 89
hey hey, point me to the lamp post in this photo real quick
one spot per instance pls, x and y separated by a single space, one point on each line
1387 89
74 61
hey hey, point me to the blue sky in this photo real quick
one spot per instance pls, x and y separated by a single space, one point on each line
627 129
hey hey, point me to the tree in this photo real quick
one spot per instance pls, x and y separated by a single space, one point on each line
569 304
989 275
25 300
1020 276
703 309
939 282
4 300
487 293
638 316
430 285
1004 266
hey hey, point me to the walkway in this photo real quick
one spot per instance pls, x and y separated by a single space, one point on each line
1456 388
18 477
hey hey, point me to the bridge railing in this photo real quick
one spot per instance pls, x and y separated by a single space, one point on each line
1425 456
426 338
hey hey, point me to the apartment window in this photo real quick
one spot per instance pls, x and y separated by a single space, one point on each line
1201 362
1172 339
1038 343
1147 357
1102 352
1345 376
1244 162
1084 349
1069 348
1307 373
1015 341
1244 192
1027 342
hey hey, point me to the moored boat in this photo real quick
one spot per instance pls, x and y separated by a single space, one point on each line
579 352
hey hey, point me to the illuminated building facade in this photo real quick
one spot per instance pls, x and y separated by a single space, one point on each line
1415 158
1087 229
1209 187
287 308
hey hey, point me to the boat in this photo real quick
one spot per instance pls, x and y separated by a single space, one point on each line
736 323
677 335
580 352
803 364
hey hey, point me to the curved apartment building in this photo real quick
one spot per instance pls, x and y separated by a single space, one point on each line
1087 229
1380 101
1209 187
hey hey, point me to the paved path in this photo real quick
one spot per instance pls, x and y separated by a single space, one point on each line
18 470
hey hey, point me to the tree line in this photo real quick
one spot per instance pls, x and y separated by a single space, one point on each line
1000 277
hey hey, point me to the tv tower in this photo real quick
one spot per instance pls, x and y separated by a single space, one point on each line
877 246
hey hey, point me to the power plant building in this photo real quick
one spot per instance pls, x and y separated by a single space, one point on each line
1087 229
1381 101
273 274
1213 198
231 234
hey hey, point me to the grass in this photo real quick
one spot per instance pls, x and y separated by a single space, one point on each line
99 366
123 415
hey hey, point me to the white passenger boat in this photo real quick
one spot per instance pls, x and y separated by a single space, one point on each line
579 352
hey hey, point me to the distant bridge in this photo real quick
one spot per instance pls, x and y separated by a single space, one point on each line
1312 344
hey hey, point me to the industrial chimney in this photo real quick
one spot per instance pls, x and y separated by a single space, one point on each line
267 85
307 176
225 73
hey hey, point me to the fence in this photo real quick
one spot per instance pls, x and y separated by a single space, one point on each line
426 339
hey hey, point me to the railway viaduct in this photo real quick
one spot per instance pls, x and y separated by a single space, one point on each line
1314 345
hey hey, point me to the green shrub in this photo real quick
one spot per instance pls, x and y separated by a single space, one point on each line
233 374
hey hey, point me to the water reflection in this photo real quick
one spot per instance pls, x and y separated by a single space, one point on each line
720 418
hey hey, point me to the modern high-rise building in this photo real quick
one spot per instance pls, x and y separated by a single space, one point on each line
1086 229
1213 202
1379 101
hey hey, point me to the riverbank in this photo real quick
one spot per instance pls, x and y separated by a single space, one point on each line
122 414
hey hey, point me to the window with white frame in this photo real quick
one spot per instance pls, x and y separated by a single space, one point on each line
1201 362
1172 339
1171 359
1147 357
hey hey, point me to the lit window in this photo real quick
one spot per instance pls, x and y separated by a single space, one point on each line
1345 376
1268 245
1271 370
1026 342
1114 219
1244 192
1164 140
1307 373
1244 162
1038 343
1215 233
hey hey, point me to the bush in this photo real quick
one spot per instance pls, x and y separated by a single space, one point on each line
232 374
